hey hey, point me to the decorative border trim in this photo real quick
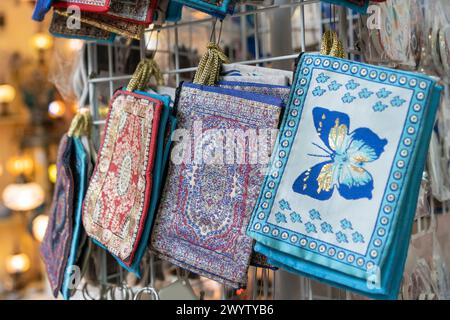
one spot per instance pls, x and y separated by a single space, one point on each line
388 212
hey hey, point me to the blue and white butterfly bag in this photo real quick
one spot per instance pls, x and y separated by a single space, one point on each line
338 202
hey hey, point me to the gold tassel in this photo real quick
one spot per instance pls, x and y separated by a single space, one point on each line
81 124
208 70
331 45
144 72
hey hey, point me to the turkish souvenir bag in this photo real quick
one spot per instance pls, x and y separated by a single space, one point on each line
339 200
58 28
80 127
107 23
244 73
118 198
55 247
357 5
138 11
206 204
216 8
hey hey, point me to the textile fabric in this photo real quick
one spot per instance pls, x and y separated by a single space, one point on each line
118 198
339 200
205 206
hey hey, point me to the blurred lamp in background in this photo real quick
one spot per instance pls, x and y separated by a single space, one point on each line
39 226
17 263
42 41
7 95
20 165
56 109
23 196
52 173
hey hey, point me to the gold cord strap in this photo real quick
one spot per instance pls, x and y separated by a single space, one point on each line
81 124
210 64
144 72
331 45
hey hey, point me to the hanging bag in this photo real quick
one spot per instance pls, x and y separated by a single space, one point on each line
116 206
339 199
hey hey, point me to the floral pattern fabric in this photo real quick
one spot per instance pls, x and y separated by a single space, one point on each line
205 207
117 201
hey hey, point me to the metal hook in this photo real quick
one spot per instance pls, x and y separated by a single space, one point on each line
212 37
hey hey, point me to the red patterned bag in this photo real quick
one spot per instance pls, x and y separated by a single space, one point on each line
118 198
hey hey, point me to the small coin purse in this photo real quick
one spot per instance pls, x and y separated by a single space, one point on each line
205 207
339 200
118 198
55 246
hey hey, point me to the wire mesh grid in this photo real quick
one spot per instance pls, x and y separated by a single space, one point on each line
262 282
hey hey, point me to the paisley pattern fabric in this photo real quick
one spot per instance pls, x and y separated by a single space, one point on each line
278 91
338 202
58 28
109 24
55 246
84 5
161 158
117 201
282 92
139 11
205 206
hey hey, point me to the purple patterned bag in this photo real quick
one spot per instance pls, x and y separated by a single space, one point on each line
207 200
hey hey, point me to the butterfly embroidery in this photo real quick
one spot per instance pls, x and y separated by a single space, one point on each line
379 106
334 86
365 93
322 78
383 93
346 156
348 98
397 101
352 85
318 91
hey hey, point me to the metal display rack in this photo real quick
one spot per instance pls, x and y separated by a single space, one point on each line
264 283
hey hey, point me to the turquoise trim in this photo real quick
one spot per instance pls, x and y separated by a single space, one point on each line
81 183
318 253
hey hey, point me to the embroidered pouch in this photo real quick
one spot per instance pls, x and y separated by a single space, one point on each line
357 5
338 202
80 127
139 11
84 5
118 198
58 28
205 206
55 246
245 73
166 126
216 8
107 23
